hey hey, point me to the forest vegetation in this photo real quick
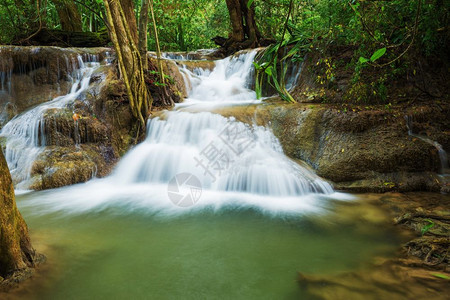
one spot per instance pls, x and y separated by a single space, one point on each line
369 52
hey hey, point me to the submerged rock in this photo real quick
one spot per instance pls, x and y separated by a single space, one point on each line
419 271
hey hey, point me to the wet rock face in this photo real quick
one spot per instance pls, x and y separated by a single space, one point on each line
16 252
176 82
202 54
365 151
358 151
61 130
33 75
61 166
192 65
77 151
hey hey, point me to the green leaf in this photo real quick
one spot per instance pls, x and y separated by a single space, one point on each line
363 60
427 227
293 51
269 71
249 3
379 53
439 275
273 48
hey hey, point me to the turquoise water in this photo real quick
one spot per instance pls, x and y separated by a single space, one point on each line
228 253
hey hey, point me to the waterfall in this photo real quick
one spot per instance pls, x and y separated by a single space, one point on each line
25 137
207 145
212 161
226 155
443 158
229 83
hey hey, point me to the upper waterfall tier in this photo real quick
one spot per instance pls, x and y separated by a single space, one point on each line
229 82
25 137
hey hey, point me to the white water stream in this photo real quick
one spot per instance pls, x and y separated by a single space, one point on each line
443 158
227 84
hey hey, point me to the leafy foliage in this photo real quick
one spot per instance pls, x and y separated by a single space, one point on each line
189 24
385 36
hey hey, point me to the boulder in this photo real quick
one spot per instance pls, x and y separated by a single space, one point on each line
360 151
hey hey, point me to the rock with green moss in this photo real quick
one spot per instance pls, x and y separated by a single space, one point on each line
60 166
34 75
359 151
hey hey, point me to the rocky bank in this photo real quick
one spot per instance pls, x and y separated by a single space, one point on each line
362 149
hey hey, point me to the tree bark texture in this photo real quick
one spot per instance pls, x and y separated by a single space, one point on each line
16 252
143 24
69 16
129 60
245 33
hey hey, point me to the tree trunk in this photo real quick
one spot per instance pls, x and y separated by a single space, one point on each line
143 23
129 59
180 37
47 37
237 25
245 33
69 16
167 100
130 17
16 252
251 30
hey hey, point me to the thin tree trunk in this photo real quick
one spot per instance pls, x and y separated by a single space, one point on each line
129 59
158 58
180 37
143 24
158 49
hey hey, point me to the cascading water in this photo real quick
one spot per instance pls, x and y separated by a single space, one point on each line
226 155
236 164
117 237
442 154
202 144
25 138
229 83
